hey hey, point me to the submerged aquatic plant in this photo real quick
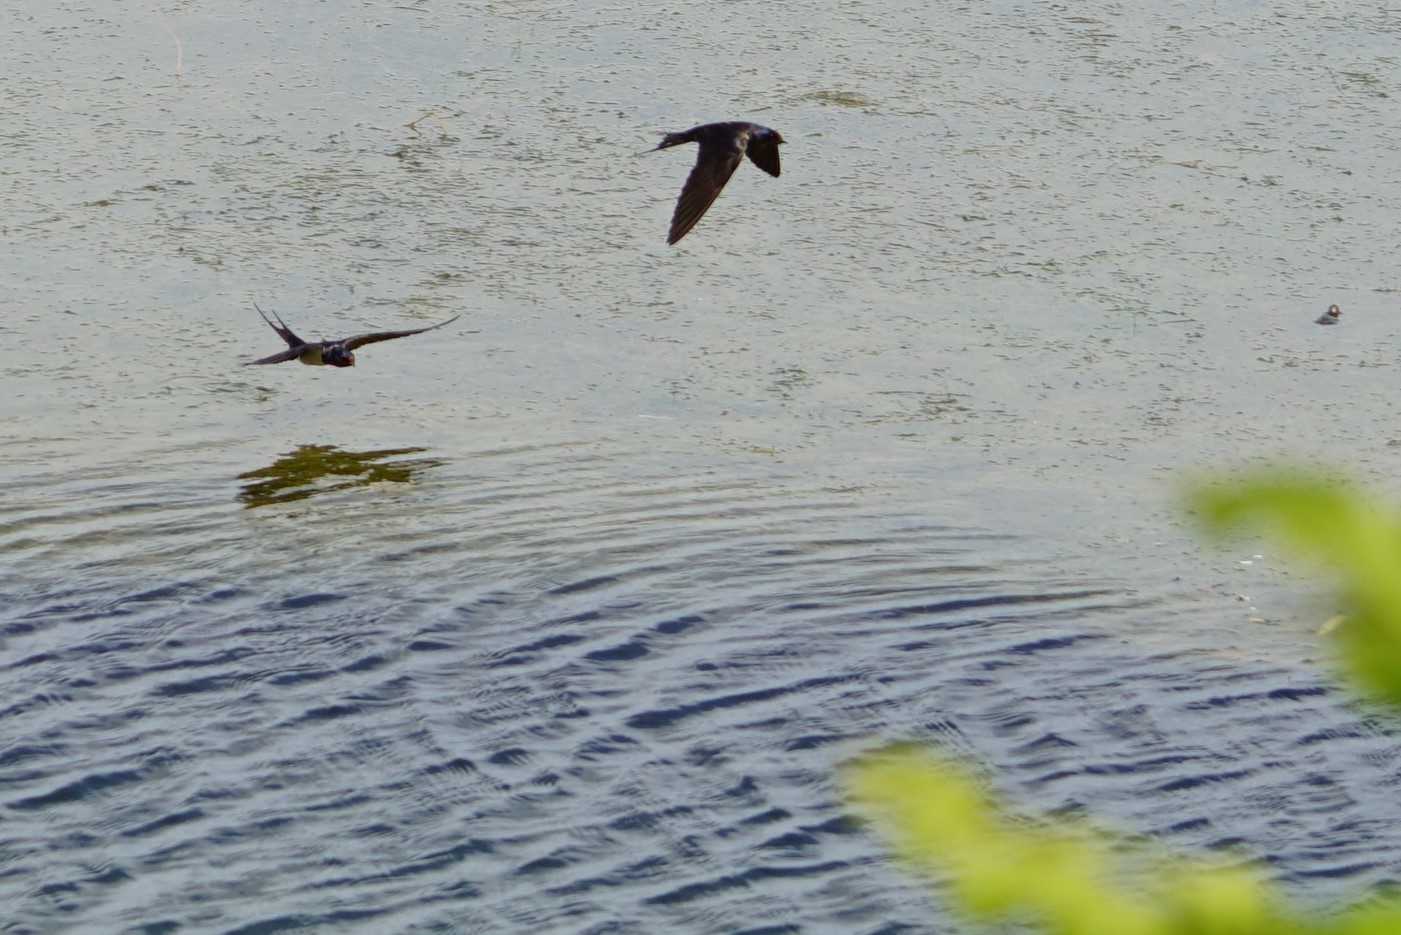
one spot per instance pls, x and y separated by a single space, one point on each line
311 470
1070 879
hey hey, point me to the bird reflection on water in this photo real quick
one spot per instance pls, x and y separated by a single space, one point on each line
319 469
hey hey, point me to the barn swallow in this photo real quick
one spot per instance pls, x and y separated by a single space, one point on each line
333 353
723 147
1329 317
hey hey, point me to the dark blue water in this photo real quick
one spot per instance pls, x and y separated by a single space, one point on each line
582 689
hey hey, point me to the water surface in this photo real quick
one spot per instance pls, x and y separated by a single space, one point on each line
562 618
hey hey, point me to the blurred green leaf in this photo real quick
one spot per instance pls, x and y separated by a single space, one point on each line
1070 880
1338 528
1067 880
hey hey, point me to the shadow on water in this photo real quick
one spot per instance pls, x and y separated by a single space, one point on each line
319 469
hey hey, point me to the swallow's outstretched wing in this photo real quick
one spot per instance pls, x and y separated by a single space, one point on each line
283 332
360 340
715 163
289 354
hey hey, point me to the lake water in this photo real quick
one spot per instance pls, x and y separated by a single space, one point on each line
562 618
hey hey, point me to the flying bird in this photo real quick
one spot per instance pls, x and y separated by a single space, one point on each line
333 353
1329 317
723 147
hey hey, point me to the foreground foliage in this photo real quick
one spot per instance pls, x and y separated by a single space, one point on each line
1338 529
1069 880
1072 880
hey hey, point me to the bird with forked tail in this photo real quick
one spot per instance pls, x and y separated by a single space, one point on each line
329 353
723 147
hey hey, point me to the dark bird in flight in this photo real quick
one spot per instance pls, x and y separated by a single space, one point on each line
1329 317
723 147
333 353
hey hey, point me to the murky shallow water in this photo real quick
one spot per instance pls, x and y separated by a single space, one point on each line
561 618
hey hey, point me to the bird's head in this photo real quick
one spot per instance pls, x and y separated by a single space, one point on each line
777 137
1334 312
338 357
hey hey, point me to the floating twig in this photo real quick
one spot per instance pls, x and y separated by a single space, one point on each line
179 46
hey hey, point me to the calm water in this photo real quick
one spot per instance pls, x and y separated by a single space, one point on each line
561 618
